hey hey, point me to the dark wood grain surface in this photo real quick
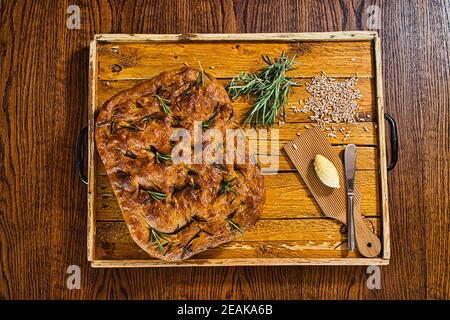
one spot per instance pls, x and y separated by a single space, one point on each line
43 84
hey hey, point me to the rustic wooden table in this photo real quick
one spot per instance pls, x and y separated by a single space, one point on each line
44 105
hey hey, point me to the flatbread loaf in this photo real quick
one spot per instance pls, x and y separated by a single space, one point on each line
175 210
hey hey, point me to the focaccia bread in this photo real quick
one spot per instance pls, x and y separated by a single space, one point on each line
175 210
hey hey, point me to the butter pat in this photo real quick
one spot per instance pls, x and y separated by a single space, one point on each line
326 171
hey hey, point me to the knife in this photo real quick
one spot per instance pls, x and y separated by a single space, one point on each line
349 160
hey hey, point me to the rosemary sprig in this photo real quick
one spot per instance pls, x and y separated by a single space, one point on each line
200 81
270 87
207 123
148 118
156 236
195 236
219 166
234 225
162 157
164 103
130 126
155 195
130 154
168 248
227 186
113 126
159 156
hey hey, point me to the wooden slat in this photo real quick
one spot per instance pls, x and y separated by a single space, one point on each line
366 159
312 238
367 104
144 60
303 36
286 197
301 261
361 133
382 146
91 151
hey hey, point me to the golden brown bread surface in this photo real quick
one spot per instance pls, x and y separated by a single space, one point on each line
175 210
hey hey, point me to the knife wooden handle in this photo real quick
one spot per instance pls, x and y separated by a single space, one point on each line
367 242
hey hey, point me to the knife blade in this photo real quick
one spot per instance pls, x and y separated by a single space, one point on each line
349 161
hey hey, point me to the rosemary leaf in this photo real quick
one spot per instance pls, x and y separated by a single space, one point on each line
130 154
200 81
234 225
162 157
156 236
164 103
227 186
155 195
130 126
219 166
195 236
113 126
207 123
168 248
159 156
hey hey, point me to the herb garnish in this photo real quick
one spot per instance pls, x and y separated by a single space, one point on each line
155 195
130 126
219 166
113 126
227 186
164 103
200 81
207 123
270 87
168 248
159 156
130 154
156 236
149 118
234 225
195 236
162 157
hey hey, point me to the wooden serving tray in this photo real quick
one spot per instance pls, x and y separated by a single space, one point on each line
292 230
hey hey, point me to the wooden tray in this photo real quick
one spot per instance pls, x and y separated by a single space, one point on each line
292 230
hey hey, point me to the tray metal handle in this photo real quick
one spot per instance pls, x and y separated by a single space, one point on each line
394 141
80 155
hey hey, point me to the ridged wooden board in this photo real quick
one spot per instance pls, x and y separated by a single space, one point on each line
271 239
293 229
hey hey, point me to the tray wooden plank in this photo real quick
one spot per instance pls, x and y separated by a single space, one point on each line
107 89
366 159
286 197
300 261
282 239
362 133
144 60
382 149
292 231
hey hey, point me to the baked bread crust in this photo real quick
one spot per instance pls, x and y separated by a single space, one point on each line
175 210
